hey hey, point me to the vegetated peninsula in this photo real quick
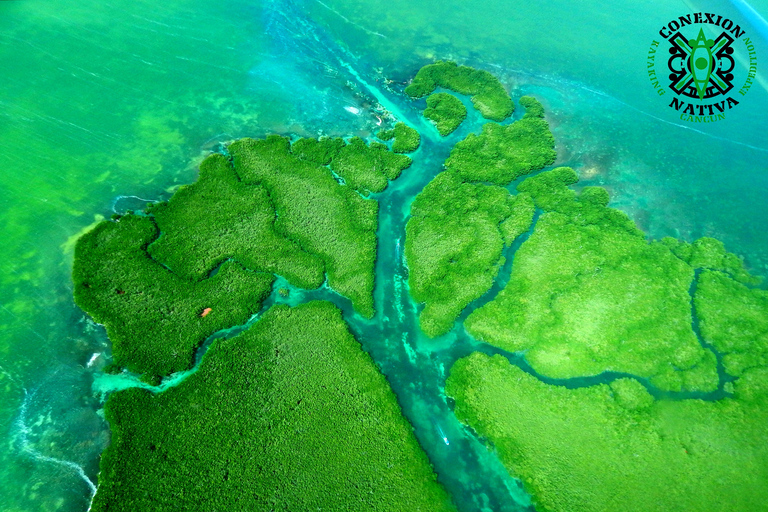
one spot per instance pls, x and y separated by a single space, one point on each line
503 153
291 414
446 111
368 168
459 227
154 317
406 139
588 294
454 242
273 208
487 92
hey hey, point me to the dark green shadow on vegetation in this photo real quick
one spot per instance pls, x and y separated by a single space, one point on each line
325 218
217 218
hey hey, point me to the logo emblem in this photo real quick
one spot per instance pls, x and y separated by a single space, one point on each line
701 70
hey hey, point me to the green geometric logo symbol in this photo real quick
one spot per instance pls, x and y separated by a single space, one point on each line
700 62
701 68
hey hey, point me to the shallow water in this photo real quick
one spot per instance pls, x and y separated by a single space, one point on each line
107 105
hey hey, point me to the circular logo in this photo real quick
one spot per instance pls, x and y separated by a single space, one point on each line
696 62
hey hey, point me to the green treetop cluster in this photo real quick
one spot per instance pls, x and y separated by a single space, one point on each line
734 319
289 415
152 291
709 253
612 448
219 217
368 168
153 317
318 151
503 153
589 294
454 244
532 107
446 111
488 95
326 219
407 139
457 230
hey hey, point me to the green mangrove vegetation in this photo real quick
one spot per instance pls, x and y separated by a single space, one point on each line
154 318
368 168
323 217
457 230
533 108
519 219
291 414
453 245
153 293
613 448
319 151
709 253
217 218
446 111
589 294
488 94
407 139
734 319
503 153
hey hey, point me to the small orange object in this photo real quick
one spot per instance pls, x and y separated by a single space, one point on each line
205 311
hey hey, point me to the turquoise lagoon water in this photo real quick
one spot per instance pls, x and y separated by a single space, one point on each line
108 105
